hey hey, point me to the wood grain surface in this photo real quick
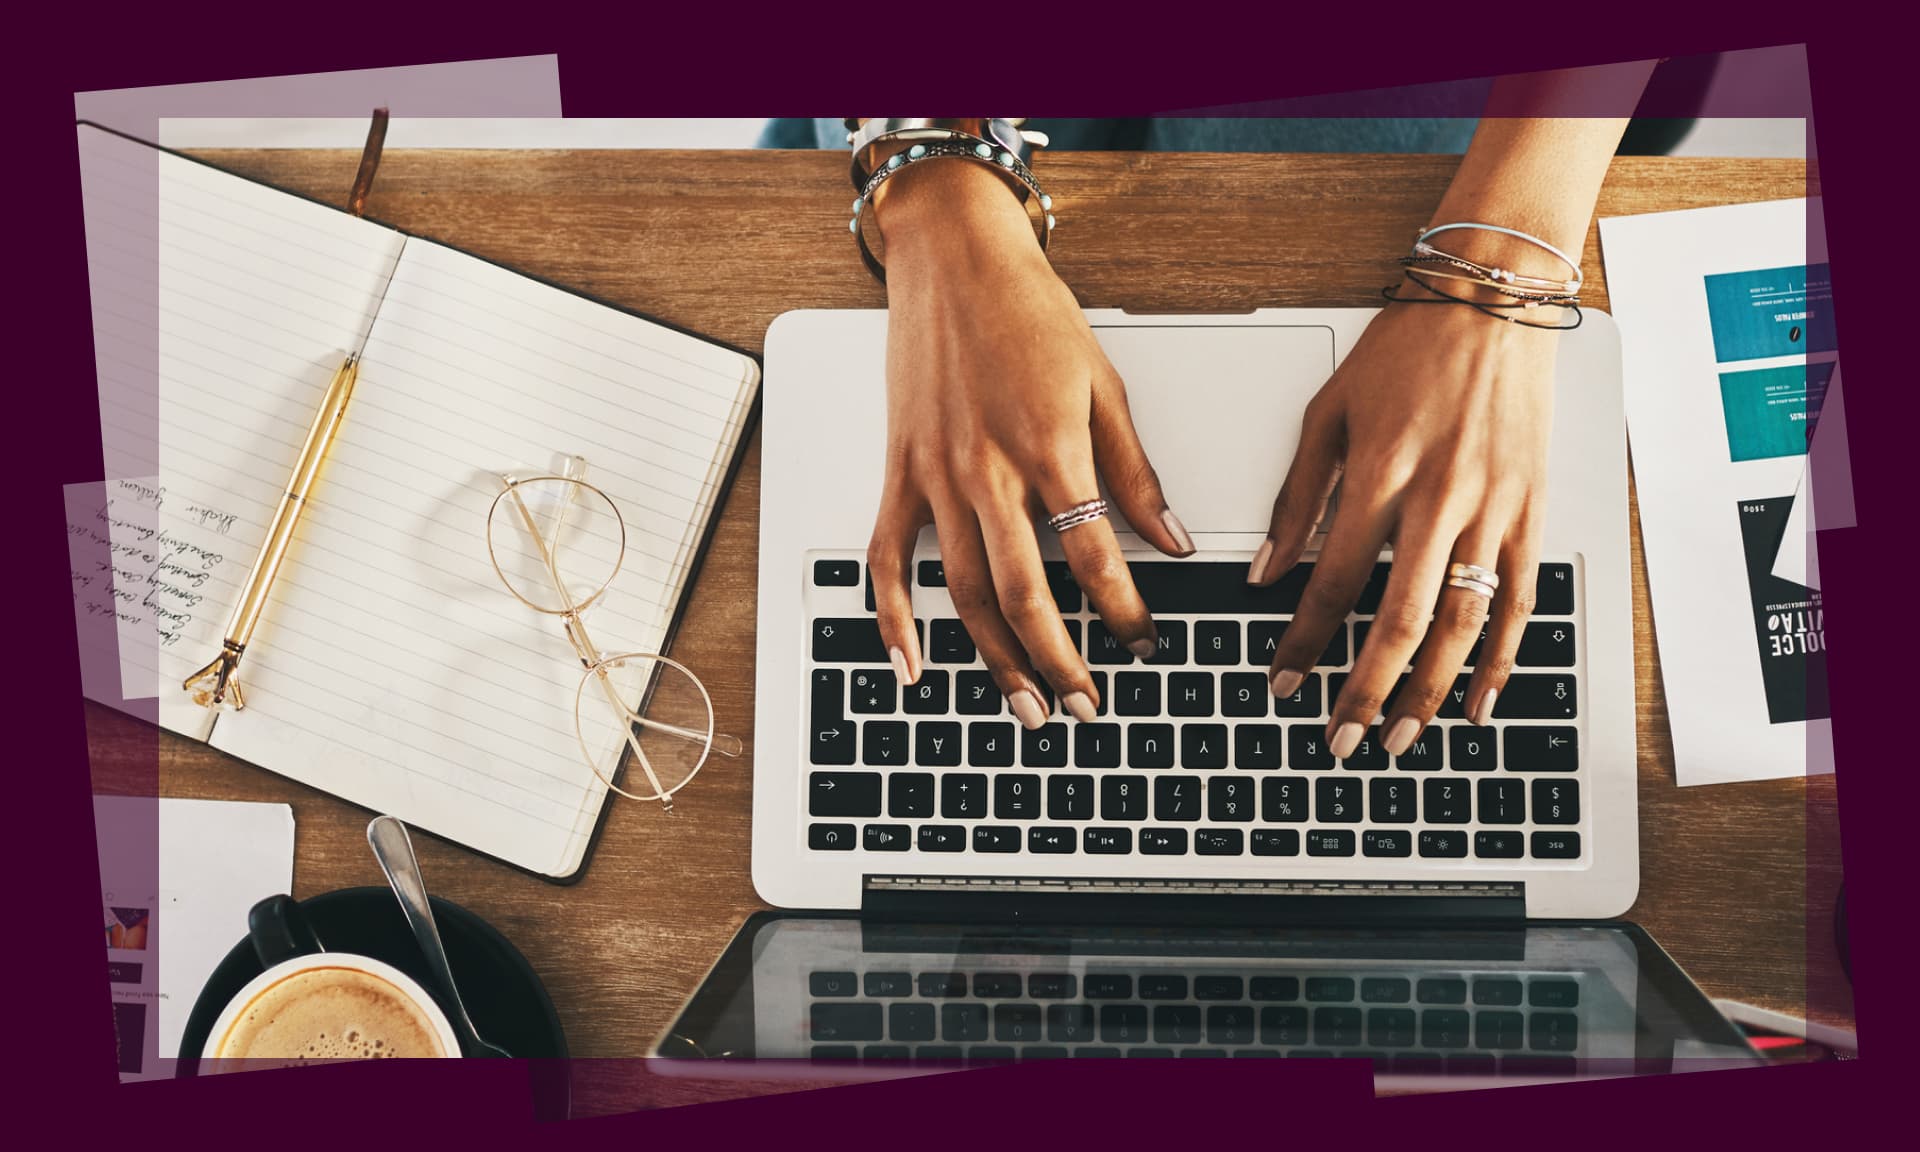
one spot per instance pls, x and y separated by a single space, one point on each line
1737 881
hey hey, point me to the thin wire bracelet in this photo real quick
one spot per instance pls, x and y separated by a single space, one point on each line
1497 311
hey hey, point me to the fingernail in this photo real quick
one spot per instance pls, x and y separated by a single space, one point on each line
1143 648
1178 531
1483 712
1400 736
1286 682
1345 739
1027 708
1079 705
1258 568
902 672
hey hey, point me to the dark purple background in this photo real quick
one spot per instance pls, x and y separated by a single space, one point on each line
1047 60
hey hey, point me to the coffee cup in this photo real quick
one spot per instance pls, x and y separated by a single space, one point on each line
309 1004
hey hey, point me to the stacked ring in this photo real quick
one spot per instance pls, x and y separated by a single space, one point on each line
1085 512
1473 578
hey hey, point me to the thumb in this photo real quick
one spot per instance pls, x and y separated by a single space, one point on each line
1129 474
1316 468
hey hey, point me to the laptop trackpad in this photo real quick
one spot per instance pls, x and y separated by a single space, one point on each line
1219 409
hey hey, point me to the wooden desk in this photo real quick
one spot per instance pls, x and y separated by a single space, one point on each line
724 242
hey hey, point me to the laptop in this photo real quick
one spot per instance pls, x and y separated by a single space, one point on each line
1196 851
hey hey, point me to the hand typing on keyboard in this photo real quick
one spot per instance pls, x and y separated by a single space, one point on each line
1000 402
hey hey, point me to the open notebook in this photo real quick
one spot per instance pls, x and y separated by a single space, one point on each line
390 668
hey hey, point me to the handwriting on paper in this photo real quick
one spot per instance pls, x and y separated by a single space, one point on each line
126 565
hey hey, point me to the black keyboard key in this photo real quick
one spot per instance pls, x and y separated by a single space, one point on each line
874 691
937 1054
1336 800
936 744
883 743
926 696
1330 842
1136 693
1171 647
949 643
1069 797
995 838
1441 990
963 796
843 794
869 592
1537 696
1448 800
832 984
1050 986
1218 988
832 838
1216 642
1553 1031
1424 754
836 573
1553 590
1554 994
1163 986
990 745
1546 644
1190 694
910 1023
1176 1024
1044 747
1163 841
887 837
1218 841
1307 748
1336 1027
1231 798
1283 1026
1096 745
1546 749
1283 800
1556 845
1453 706
1387 842
845 1022
1016 797
1070 1023
1065 589
848 640
1445 1028
1108 841
1108 986
1274 988
1016 1023
1100 691
1203 746
1471 747
1498 1030
1448 844
1386 990
1503 801
1368 755
1495 845
1263 640
963 1023
833 737
1330 989
975 694
1276 842
1176 798
1393 801
889 984
1103 647
1230 1023
1049 841
1244 694
1256 747
1150 746
1122 798
1215 588
1390 1027
1303 704
931 574
1556 802
1123 1023
997 985
942 838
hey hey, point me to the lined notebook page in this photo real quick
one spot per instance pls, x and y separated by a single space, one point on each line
393 668
252 298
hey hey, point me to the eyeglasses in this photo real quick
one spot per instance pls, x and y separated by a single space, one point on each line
557 542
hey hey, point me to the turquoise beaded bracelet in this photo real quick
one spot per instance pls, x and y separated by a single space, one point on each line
957 145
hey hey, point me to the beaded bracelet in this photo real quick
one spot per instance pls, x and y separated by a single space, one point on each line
1523 294
958 145
1497 311
1421 248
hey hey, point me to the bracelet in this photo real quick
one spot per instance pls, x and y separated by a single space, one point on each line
1525 294
1002 133
958 145
1497 311
1422 248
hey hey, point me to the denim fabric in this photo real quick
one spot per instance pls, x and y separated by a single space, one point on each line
1196 134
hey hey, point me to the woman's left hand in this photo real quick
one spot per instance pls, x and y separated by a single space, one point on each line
1437 425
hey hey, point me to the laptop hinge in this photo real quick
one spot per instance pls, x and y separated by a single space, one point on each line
1131 901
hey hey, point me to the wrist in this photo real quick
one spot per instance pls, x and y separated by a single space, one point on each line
949 208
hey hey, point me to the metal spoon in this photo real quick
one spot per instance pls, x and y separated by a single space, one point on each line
393 848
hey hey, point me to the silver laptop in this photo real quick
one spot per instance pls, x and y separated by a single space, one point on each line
929 800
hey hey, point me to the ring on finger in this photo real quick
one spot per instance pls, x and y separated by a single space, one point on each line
1477 587
1474 573
1085 512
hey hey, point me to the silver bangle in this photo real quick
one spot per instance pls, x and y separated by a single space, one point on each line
1005 134
957 145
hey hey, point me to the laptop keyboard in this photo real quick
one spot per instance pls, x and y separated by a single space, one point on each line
1407 1023
1191 754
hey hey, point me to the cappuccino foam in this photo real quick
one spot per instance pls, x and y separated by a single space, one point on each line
331 1014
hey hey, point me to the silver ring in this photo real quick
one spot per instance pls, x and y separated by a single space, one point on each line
1475 573
1477 587
1085 512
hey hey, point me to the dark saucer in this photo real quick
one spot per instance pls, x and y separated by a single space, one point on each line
507 1001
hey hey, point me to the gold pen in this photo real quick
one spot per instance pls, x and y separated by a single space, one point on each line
223 672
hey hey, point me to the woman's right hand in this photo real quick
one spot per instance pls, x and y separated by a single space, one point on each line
1001 404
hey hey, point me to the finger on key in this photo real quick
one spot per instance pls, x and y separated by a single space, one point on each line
963 555
1026 604
1093 554
1420 559
889 563
1458 616
1131 480
1508 614
1340 574
1303 497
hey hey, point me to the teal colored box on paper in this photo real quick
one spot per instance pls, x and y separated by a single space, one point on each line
1771 411
1771 312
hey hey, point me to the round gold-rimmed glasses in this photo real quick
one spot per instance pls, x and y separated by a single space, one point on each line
557 542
